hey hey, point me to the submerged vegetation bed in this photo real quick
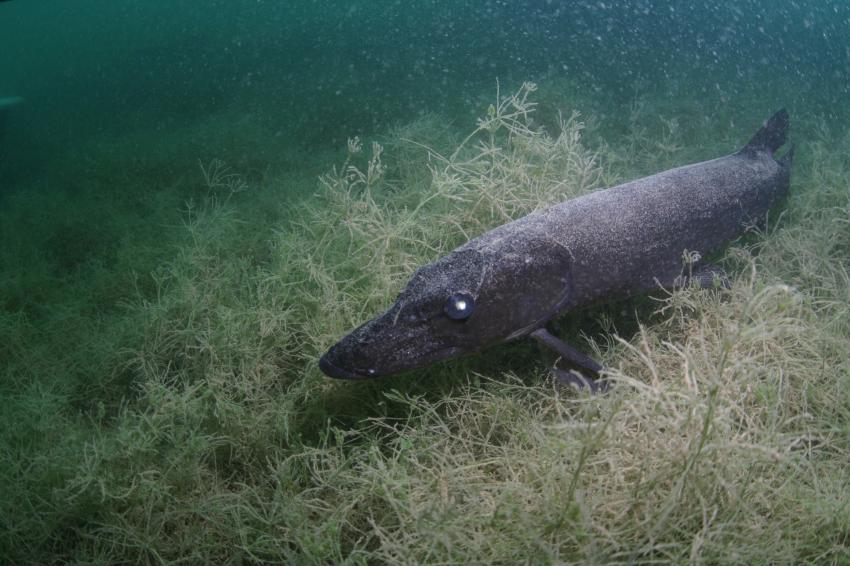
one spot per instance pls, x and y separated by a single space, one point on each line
157 410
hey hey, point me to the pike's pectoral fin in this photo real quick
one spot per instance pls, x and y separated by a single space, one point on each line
575 380
565 351
706 276
573 357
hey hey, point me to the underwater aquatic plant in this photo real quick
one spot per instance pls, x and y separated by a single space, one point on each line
189 420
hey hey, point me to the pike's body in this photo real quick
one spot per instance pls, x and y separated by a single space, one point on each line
613 243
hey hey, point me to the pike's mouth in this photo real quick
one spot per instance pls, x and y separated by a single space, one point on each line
332 370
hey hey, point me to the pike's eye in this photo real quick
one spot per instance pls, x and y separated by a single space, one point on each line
459 306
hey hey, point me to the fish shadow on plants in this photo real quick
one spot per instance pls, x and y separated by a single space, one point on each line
347 405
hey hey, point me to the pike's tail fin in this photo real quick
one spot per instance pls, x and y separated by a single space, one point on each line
771 136
786 160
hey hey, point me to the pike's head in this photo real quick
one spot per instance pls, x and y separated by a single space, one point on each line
457 305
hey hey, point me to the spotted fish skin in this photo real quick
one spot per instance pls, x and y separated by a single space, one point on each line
610 244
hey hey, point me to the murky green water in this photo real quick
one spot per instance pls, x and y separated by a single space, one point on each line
171 268
318 71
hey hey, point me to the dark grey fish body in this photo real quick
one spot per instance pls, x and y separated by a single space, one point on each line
623 240
613 243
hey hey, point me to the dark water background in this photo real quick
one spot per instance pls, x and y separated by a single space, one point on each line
316 71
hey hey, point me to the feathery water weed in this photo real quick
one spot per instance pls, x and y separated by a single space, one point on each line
724 438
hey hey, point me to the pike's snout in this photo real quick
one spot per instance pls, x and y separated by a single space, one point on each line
332 364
